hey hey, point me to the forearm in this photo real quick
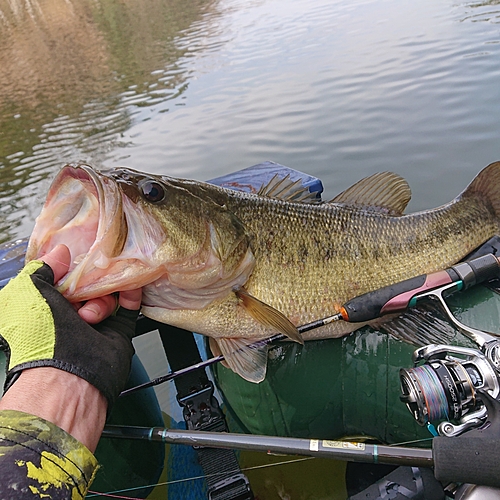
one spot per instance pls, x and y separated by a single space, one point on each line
62 398
39 459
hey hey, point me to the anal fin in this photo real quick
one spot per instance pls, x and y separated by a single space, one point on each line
422 325
494 285
243 357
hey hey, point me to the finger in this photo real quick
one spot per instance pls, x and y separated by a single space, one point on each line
131 299
58 259
96 310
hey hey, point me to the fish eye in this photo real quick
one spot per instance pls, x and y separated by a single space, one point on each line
152 191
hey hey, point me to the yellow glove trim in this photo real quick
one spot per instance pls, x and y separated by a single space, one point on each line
26 320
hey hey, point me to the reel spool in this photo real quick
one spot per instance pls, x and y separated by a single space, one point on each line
444 388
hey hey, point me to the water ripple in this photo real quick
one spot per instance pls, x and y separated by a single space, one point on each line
339 89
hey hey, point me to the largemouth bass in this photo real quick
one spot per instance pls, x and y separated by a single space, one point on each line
239 267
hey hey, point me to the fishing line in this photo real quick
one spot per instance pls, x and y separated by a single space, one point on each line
422 440
113 494
432 391
110 495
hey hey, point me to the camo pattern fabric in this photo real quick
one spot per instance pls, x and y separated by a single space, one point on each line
40 460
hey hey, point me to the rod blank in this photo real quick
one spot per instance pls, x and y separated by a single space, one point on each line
339 450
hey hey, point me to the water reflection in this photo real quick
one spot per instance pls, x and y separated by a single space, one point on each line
201 88
74 76
482 14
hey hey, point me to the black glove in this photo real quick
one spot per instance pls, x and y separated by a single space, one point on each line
39 327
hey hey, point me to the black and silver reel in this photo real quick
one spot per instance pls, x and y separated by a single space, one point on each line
444 388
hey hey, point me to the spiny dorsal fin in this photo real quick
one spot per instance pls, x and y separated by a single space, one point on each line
245 359
268 316
385 191
283 188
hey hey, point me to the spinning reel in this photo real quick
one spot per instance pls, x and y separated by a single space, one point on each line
446 382
445 387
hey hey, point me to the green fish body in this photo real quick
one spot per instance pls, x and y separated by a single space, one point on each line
240 267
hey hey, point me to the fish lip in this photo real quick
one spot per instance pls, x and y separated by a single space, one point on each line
100 221
101 194
110 205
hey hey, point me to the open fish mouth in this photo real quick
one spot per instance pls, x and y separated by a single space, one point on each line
84 211
77 213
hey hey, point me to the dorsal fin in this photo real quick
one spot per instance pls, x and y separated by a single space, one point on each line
283 188
384 191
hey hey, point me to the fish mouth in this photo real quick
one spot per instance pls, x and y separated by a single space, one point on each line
83 211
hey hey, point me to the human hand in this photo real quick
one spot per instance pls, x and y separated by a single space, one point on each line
39 327
95 310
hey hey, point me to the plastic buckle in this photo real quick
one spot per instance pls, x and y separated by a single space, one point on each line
236 487
201 410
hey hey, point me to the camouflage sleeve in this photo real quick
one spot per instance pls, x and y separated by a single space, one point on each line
40 460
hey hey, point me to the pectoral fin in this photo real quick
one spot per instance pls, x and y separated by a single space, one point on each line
245 359
267 315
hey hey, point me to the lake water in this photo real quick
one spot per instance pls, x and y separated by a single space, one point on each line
199 89
203 88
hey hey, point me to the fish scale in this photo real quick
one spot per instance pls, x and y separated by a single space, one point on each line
347 252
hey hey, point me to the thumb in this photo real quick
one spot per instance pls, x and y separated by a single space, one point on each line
58 259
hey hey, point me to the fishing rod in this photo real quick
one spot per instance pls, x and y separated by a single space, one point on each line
427 391
147 325
338 450
395 298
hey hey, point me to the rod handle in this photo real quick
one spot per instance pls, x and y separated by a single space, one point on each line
392 298
400 296
467 460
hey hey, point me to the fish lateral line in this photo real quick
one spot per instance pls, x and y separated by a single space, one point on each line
465 274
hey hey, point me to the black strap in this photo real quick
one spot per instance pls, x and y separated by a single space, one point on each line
387 488
195 393
403 483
